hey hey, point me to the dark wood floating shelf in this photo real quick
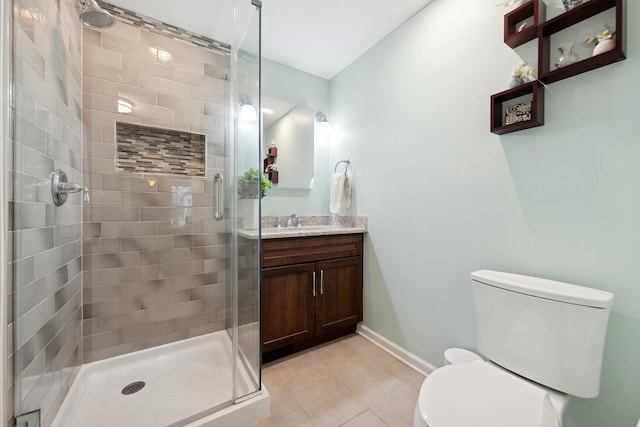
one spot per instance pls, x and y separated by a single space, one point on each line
568 19
578 14
543 32
272 175
583 66
533 9
536 90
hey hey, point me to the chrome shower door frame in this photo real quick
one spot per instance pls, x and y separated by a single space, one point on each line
5 145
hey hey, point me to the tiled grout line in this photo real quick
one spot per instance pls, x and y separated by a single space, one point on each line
356 416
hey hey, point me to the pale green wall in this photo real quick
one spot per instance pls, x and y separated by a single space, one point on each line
445 197
288 84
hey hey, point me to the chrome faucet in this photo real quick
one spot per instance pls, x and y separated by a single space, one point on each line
293 221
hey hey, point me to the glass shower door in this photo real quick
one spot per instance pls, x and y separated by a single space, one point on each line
247 206
47 241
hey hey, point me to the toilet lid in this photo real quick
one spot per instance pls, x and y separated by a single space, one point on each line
479 394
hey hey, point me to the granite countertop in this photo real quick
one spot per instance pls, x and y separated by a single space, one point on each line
308 226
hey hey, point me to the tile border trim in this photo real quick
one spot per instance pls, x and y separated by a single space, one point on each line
164 29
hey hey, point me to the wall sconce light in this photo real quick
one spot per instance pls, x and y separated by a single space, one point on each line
124 106
323 122
247 110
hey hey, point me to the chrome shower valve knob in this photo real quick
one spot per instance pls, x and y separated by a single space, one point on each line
61 187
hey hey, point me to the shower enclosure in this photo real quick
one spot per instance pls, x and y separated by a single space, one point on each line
137 302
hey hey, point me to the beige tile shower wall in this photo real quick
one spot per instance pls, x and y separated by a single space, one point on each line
47 239
154 257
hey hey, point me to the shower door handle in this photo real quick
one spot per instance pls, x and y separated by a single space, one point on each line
218 200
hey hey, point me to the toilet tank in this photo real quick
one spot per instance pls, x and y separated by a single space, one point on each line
550 332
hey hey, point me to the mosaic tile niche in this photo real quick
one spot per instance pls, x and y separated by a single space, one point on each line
152 150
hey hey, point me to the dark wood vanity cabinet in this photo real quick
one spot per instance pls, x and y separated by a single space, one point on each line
339 297
288 306
311 291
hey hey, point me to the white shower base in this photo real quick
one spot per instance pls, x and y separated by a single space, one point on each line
182 379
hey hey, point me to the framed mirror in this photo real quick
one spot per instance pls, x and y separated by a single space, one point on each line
289 128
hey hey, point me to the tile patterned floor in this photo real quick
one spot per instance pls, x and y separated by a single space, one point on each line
349 382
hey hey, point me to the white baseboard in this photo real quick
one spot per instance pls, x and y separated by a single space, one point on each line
406 357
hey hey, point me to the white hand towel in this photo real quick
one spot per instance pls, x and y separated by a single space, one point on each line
340 192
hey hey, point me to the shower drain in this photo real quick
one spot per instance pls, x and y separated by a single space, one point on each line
133 387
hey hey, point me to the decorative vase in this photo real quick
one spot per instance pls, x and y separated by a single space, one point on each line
604 46
570 4
567 56
515 82
250 213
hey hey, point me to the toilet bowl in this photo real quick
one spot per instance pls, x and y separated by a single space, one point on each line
481 394
452 356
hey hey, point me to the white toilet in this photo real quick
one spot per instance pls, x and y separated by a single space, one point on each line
544 341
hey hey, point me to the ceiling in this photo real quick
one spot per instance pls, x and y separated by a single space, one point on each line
321 37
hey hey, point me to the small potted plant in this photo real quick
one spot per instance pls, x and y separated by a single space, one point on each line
604 41
248 184
522 73
252 186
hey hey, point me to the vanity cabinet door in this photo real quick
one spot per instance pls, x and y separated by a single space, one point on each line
339 301
288 305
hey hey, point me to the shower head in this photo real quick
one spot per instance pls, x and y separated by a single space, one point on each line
94 16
